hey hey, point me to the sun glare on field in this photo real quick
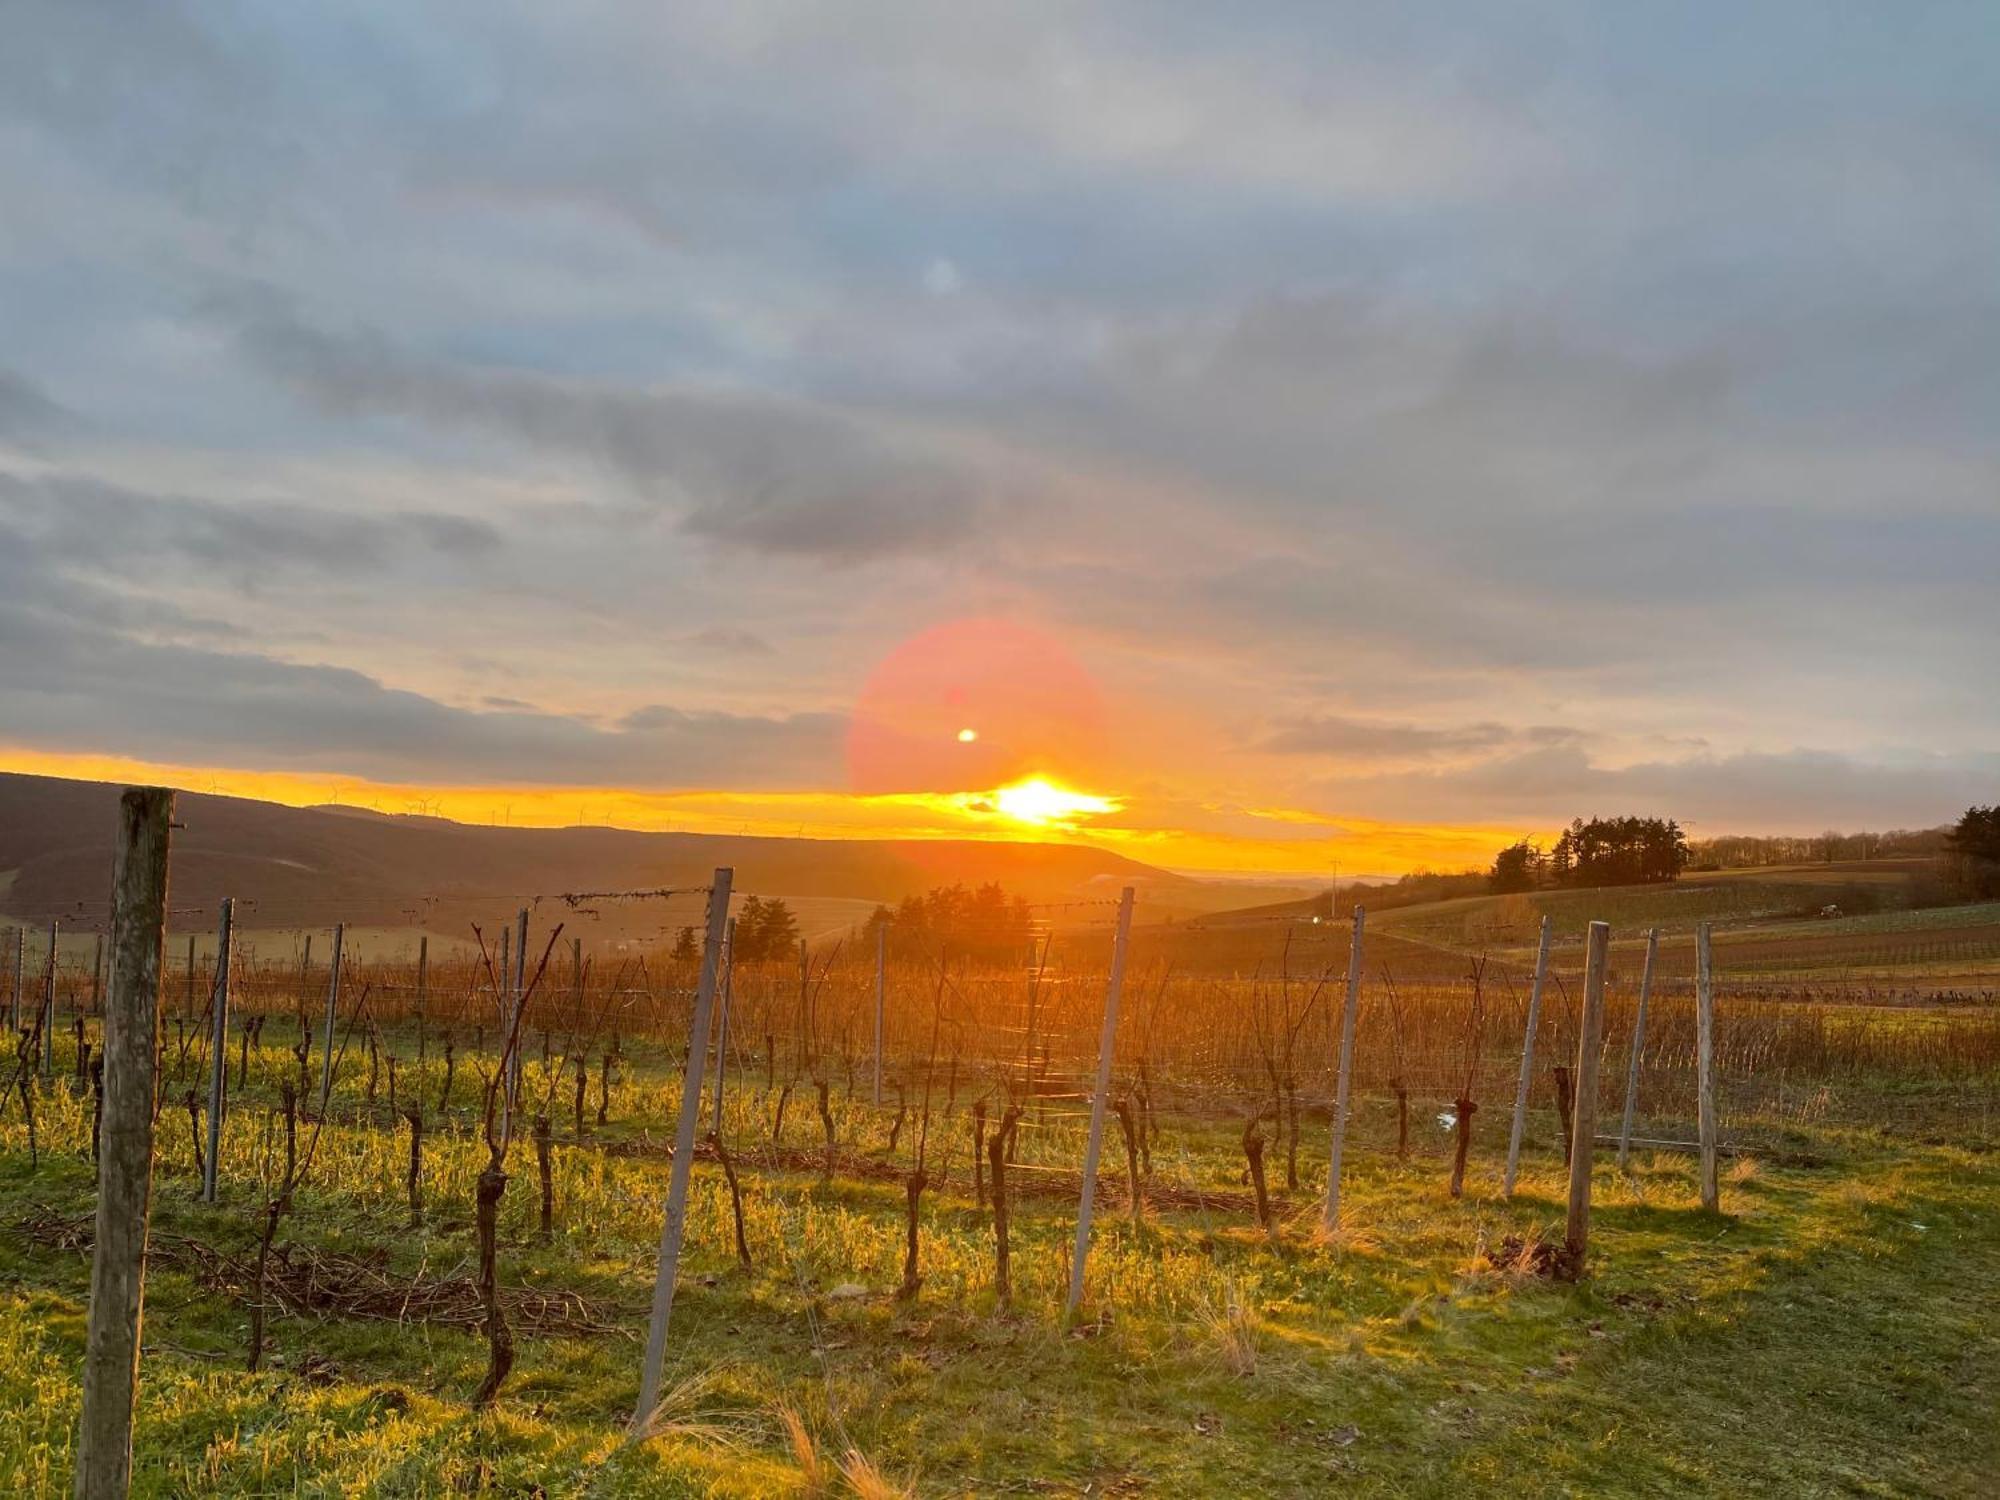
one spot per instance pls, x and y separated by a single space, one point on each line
1041 802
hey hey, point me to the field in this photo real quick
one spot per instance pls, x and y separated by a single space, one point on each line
1828 1331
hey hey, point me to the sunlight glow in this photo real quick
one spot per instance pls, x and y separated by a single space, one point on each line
1040 802
967 736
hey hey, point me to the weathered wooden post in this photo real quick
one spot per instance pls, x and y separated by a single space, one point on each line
677 1181
1638 1048
1704 1032
332 1007
20 946
97 975
1526 1084
881 989
1107 1043
1344 1081
125 1148
518 985
218 1072
1589 1042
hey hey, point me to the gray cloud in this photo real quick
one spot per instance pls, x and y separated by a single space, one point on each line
1711 794
24 407
75 520
757 470
73 684
1365 740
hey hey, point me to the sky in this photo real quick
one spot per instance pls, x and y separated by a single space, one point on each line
1333 438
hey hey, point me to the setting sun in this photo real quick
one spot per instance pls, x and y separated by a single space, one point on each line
1041 802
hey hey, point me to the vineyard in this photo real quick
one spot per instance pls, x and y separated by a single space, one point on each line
407 1218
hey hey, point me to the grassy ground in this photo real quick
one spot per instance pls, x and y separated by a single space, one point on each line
1830 1332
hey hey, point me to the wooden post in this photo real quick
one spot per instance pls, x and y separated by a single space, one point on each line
125 1148
881 988
518 999
189 1005
1330 1217
49 1002
332 1006
1106 1045
1526 1084
218 1072
1704 1032
576 986
1589 1042
1638 1048
97 975
677 1182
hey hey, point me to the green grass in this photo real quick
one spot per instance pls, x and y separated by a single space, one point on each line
1830 1332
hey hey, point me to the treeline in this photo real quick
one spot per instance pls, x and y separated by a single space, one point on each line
762 929
982 923
1736 851
1599 852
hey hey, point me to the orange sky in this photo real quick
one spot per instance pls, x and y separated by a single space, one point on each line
1276 840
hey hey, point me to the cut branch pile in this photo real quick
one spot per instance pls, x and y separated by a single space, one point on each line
322 1284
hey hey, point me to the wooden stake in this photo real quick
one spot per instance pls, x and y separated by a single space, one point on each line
1106 1044
1704 1031
1526 1085
677 1183
218 1072
1589 1042
722 1021
1343 1084
48 1059
881 988
125 1152
1638 1048
332 1006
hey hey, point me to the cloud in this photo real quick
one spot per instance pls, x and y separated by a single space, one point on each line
754 469
729 641
70 684
1367 741
24 407
1792 791
75 520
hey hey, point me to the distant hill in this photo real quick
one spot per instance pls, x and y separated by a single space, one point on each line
304 867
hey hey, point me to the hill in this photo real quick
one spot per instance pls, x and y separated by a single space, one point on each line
303 867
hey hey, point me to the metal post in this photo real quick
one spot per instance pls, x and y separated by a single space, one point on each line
218 1069
1589 1043
1343 1084
1521 1093
423 997
20 961
677 1182
881 988
1638 1048
49 1002
125 1150
332 1006
1704 1031
722 1019
1107 1044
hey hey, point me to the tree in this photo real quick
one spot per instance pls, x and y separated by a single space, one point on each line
765 929
685 948
1516 868
1975 850
1619 851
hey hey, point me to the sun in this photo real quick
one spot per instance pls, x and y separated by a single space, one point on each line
1040 802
